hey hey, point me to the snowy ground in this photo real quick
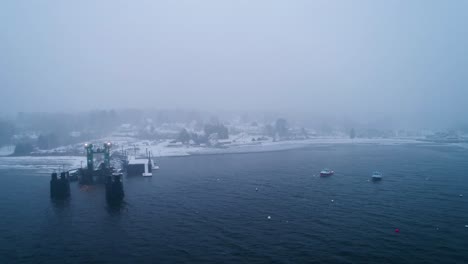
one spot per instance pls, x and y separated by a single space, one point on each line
7 150
235 144
164 149
42 163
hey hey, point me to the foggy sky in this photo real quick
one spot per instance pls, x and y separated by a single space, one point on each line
403 60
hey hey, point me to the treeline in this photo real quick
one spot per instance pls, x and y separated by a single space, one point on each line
43 131
96 122
279 130
215 130
211 132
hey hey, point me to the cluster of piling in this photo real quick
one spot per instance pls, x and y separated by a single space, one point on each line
59 188
114 188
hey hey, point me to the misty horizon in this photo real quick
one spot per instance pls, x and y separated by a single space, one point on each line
364 61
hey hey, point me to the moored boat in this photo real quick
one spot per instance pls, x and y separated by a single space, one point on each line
326 172
376 176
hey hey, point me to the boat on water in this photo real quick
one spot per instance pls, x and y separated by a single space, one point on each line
326 172
376 176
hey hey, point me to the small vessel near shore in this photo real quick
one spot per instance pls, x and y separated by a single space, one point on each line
326 172
376 176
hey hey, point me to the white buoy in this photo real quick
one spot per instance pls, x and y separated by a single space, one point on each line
466 226
332 200
268 217
461 195
256 189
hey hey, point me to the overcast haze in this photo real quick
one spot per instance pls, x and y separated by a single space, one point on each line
397 59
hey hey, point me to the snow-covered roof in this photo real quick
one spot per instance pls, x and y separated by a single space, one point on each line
138 161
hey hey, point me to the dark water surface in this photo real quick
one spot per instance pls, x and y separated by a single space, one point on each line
205 209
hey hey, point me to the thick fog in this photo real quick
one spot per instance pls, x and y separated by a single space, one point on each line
405 61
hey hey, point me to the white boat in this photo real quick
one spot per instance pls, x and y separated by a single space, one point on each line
376 176
326 172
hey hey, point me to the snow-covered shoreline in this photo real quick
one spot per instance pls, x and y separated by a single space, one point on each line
45 163
56 161
165 149
7 150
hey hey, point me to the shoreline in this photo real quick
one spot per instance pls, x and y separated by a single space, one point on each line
57 161
69 161
162 150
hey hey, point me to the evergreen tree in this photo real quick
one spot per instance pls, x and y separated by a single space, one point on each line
220 129
184 136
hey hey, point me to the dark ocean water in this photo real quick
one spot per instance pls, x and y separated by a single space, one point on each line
205 209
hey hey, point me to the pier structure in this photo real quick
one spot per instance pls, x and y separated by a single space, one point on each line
59 187
103 174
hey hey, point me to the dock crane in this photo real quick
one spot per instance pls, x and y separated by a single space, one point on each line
60 188
92 174
90 151
104 173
